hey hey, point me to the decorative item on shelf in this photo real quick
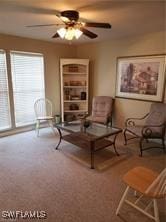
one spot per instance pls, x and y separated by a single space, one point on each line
79 83
67 94
74 106
73 83
57 119
66 84
75 97
83 83
73 68
69 117
83 95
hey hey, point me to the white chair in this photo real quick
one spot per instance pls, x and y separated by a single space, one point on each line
149 184
43 112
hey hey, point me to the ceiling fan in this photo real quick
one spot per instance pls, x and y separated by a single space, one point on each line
73 28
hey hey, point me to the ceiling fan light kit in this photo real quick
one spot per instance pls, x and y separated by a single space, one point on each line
69 33
73 27
61 32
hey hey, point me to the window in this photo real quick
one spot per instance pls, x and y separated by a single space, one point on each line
28 85
5 120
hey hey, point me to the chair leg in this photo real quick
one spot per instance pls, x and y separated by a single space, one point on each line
50 122
37 127
122 200
125 138
135 193
156 212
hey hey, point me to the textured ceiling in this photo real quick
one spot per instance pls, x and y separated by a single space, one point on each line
127 17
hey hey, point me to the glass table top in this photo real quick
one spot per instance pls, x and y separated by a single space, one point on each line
95 129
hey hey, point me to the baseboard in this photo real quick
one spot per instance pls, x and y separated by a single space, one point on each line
20 130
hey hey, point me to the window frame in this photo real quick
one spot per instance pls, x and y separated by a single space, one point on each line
44 84
8 92
17 129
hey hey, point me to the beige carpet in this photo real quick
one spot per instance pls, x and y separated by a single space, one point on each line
34 176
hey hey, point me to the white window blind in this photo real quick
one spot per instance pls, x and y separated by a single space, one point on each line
5 120
28 85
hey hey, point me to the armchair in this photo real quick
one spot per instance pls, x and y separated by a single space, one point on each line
153 128
102 107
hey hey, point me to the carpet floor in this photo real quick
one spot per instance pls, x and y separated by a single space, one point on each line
35 176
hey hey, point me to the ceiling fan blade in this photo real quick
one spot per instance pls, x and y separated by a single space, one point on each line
31 26
56 35
88 33
98 25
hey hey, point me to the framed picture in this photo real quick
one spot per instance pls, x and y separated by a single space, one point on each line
141 77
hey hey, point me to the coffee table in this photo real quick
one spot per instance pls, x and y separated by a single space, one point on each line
94 138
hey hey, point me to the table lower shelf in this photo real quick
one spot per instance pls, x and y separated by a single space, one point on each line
84 143
89 142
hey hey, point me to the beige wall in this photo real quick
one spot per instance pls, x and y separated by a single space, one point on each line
102 65
103 69
52 53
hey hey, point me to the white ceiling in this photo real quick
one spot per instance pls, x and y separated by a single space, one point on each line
127 17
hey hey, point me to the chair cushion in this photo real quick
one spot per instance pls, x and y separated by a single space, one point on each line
136 130
102 108
157 115
99 119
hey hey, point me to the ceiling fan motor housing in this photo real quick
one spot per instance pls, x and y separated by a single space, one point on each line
72 15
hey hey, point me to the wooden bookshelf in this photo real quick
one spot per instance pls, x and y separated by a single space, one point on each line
74 88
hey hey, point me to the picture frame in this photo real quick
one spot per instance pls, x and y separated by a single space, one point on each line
141 77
